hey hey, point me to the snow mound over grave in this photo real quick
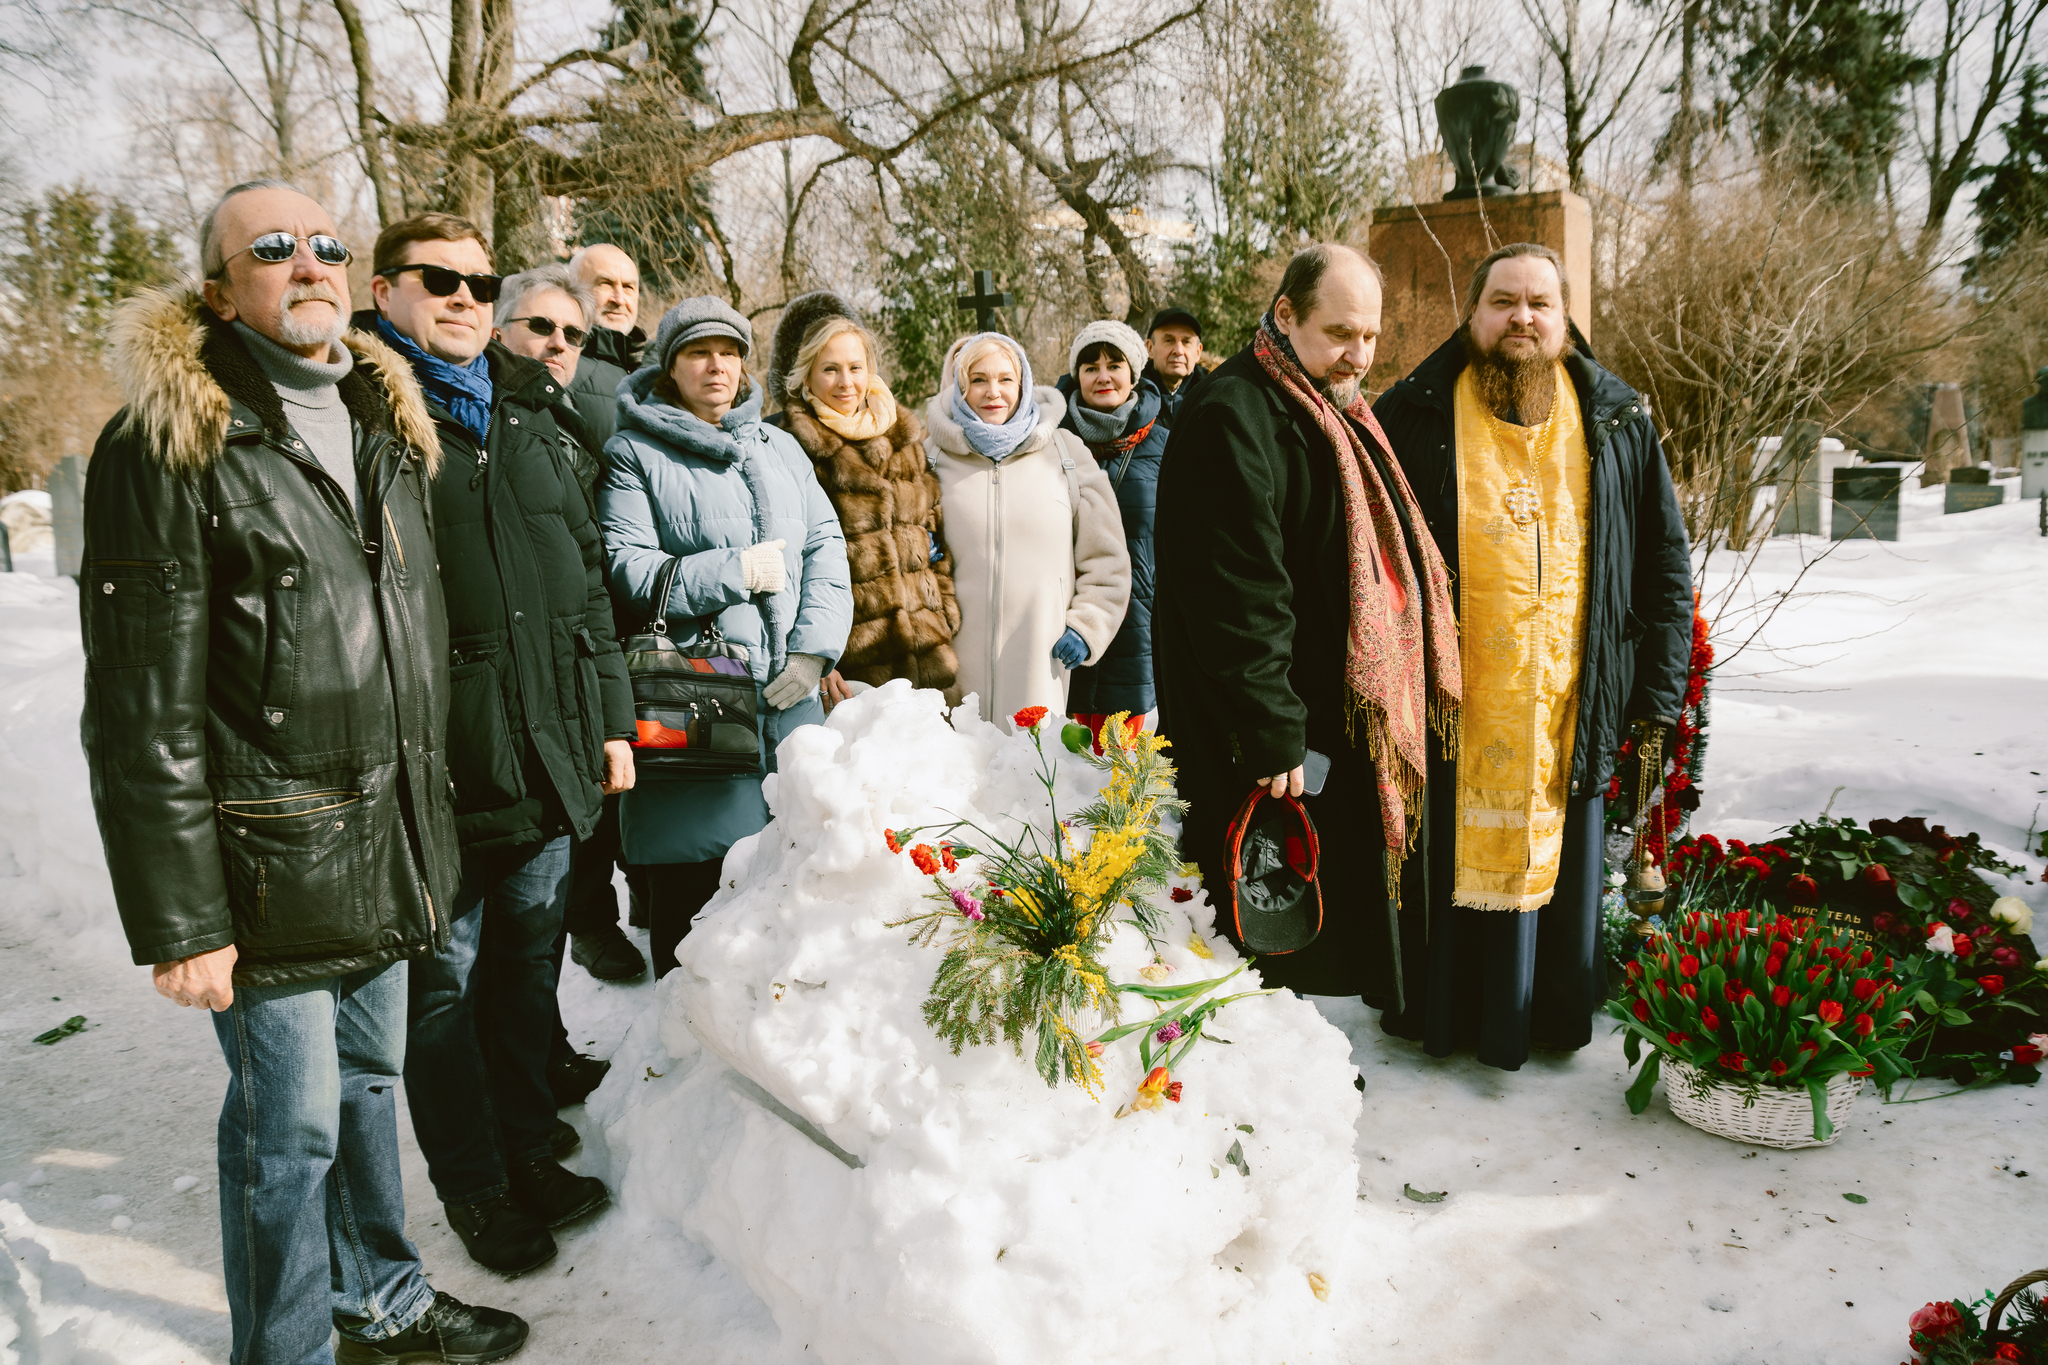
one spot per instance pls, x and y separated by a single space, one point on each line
785 1104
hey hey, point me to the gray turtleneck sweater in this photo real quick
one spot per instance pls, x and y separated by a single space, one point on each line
312 402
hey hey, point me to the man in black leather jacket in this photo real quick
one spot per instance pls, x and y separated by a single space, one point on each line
266 681
539 715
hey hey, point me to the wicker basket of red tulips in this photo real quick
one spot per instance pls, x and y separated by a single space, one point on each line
1763 1027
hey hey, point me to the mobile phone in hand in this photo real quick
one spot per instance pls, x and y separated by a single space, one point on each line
1315 770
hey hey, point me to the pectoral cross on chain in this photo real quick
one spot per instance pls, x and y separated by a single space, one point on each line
1521 502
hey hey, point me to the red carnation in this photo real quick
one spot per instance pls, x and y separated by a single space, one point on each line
1181 895
1173 1091
926 858
1752 864
1992 985
1029 717
889 838
1830 1012
2008 1350
1865 1025
946 857
1641 1008
1710 1019
1734 1061
1781 996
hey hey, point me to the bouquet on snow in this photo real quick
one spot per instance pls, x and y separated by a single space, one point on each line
1778 1001
1024 928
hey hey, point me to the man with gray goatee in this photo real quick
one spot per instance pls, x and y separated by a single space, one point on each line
266 680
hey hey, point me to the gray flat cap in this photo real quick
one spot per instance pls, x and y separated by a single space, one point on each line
704 316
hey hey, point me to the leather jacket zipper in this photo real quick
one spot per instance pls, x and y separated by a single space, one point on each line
263 892
167 567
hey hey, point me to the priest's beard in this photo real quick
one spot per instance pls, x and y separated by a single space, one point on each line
1514 388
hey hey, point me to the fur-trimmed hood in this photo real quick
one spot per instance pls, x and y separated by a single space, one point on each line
182 371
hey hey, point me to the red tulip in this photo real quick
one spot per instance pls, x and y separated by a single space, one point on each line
1864 1025
1710 1019
1830 1012
1781 996
1734 1061
1779 1068
1688 990
1681 1039
1642 1009
1864 988
1688 965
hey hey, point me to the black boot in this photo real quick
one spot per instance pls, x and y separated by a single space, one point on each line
563 1139
449 1330
501 1235
553 1195
571 1078
608 954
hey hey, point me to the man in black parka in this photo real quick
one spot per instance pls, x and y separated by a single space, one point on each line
539 715
1252 612
1494 978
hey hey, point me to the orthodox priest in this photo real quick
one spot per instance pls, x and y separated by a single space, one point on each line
1302 609
1543 484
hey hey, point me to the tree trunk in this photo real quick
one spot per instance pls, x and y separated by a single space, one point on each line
368 137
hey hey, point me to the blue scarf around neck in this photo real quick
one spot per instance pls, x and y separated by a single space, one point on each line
465 390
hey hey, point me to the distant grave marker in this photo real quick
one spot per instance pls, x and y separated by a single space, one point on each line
1866 503
1969 489
67 514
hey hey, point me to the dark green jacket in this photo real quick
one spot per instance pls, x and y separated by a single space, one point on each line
266 670
608 357
538 682
1639 566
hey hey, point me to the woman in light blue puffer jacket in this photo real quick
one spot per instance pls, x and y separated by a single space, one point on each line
694 473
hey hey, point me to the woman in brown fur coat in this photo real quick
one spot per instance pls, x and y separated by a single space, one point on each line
869 456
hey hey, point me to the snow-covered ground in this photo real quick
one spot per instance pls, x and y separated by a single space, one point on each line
1570 1230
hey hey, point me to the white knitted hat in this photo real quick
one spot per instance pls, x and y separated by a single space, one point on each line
1117 334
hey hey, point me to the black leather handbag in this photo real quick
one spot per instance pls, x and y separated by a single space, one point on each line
695 707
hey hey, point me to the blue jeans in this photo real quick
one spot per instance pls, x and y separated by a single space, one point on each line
483 1016
312 1214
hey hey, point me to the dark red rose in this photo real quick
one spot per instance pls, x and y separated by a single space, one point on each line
2026 1054
1803 890
1958 910
1878 875
2005 956
1886 922
1963 945
1993 985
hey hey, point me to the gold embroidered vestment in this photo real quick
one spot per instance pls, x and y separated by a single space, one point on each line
1524 509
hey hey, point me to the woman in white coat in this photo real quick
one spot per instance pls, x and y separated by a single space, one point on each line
1038 544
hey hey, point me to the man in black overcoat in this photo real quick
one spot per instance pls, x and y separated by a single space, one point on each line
1252 612
1492 975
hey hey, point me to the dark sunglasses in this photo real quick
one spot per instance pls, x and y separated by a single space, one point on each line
276 248
545 327
440 281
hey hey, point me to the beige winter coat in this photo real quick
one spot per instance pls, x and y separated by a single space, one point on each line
1026 565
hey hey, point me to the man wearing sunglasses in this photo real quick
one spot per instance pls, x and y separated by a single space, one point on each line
538 718
266 676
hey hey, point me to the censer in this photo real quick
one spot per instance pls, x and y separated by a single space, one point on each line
1644 889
